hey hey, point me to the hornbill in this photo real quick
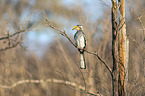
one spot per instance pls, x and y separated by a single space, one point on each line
80 41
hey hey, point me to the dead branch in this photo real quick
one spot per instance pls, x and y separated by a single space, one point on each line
12 43
14 34
13 46
63 33
52 80
135 41
104 3
139 18
96 54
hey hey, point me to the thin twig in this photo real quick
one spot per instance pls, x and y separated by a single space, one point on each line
16 33
135 41
139 18
14 45
63 33
120 25
96 54
104 3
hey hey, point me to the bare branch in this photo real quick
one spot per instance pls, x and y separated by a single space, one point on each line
16 33
104 3
63 33
14 45
49 81
139 18
96 54
135 41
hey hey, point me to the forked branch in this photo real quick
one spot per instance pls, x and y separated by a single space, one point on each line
12 43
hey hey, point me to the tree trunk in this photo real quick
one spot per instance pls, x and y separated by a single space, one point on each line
114 49
123 51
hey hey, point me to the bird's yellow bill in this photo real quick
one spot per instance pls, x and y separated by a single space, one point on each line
75 27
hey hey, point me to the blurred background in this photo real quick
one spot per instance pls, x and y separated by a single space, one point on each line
45 54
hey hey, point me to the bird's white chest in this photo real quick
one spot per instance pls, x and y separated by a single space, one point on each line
81 42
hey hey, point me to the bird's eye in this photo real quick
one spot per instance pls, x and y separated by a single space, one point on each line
81 27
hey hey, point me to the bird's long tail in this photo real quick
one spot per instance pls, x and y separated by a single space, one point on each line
82 60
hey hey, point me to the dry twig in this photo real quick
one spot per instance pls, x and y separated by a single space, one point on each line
139 18
14 34
12 43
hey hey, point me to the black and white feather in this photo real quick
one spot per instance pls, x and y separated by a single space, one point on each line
80 41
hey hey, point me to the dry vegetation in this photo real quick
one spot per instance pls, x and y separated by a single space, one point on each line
60 60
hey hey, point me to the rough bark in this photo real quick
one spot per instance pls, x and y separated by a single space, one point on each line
114 49
123 51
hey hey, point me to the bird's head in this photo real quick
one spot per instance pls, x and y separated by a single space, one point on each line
78 27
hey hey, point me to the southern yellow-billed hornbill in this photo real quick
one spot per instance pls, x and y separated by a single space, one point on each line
80 41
